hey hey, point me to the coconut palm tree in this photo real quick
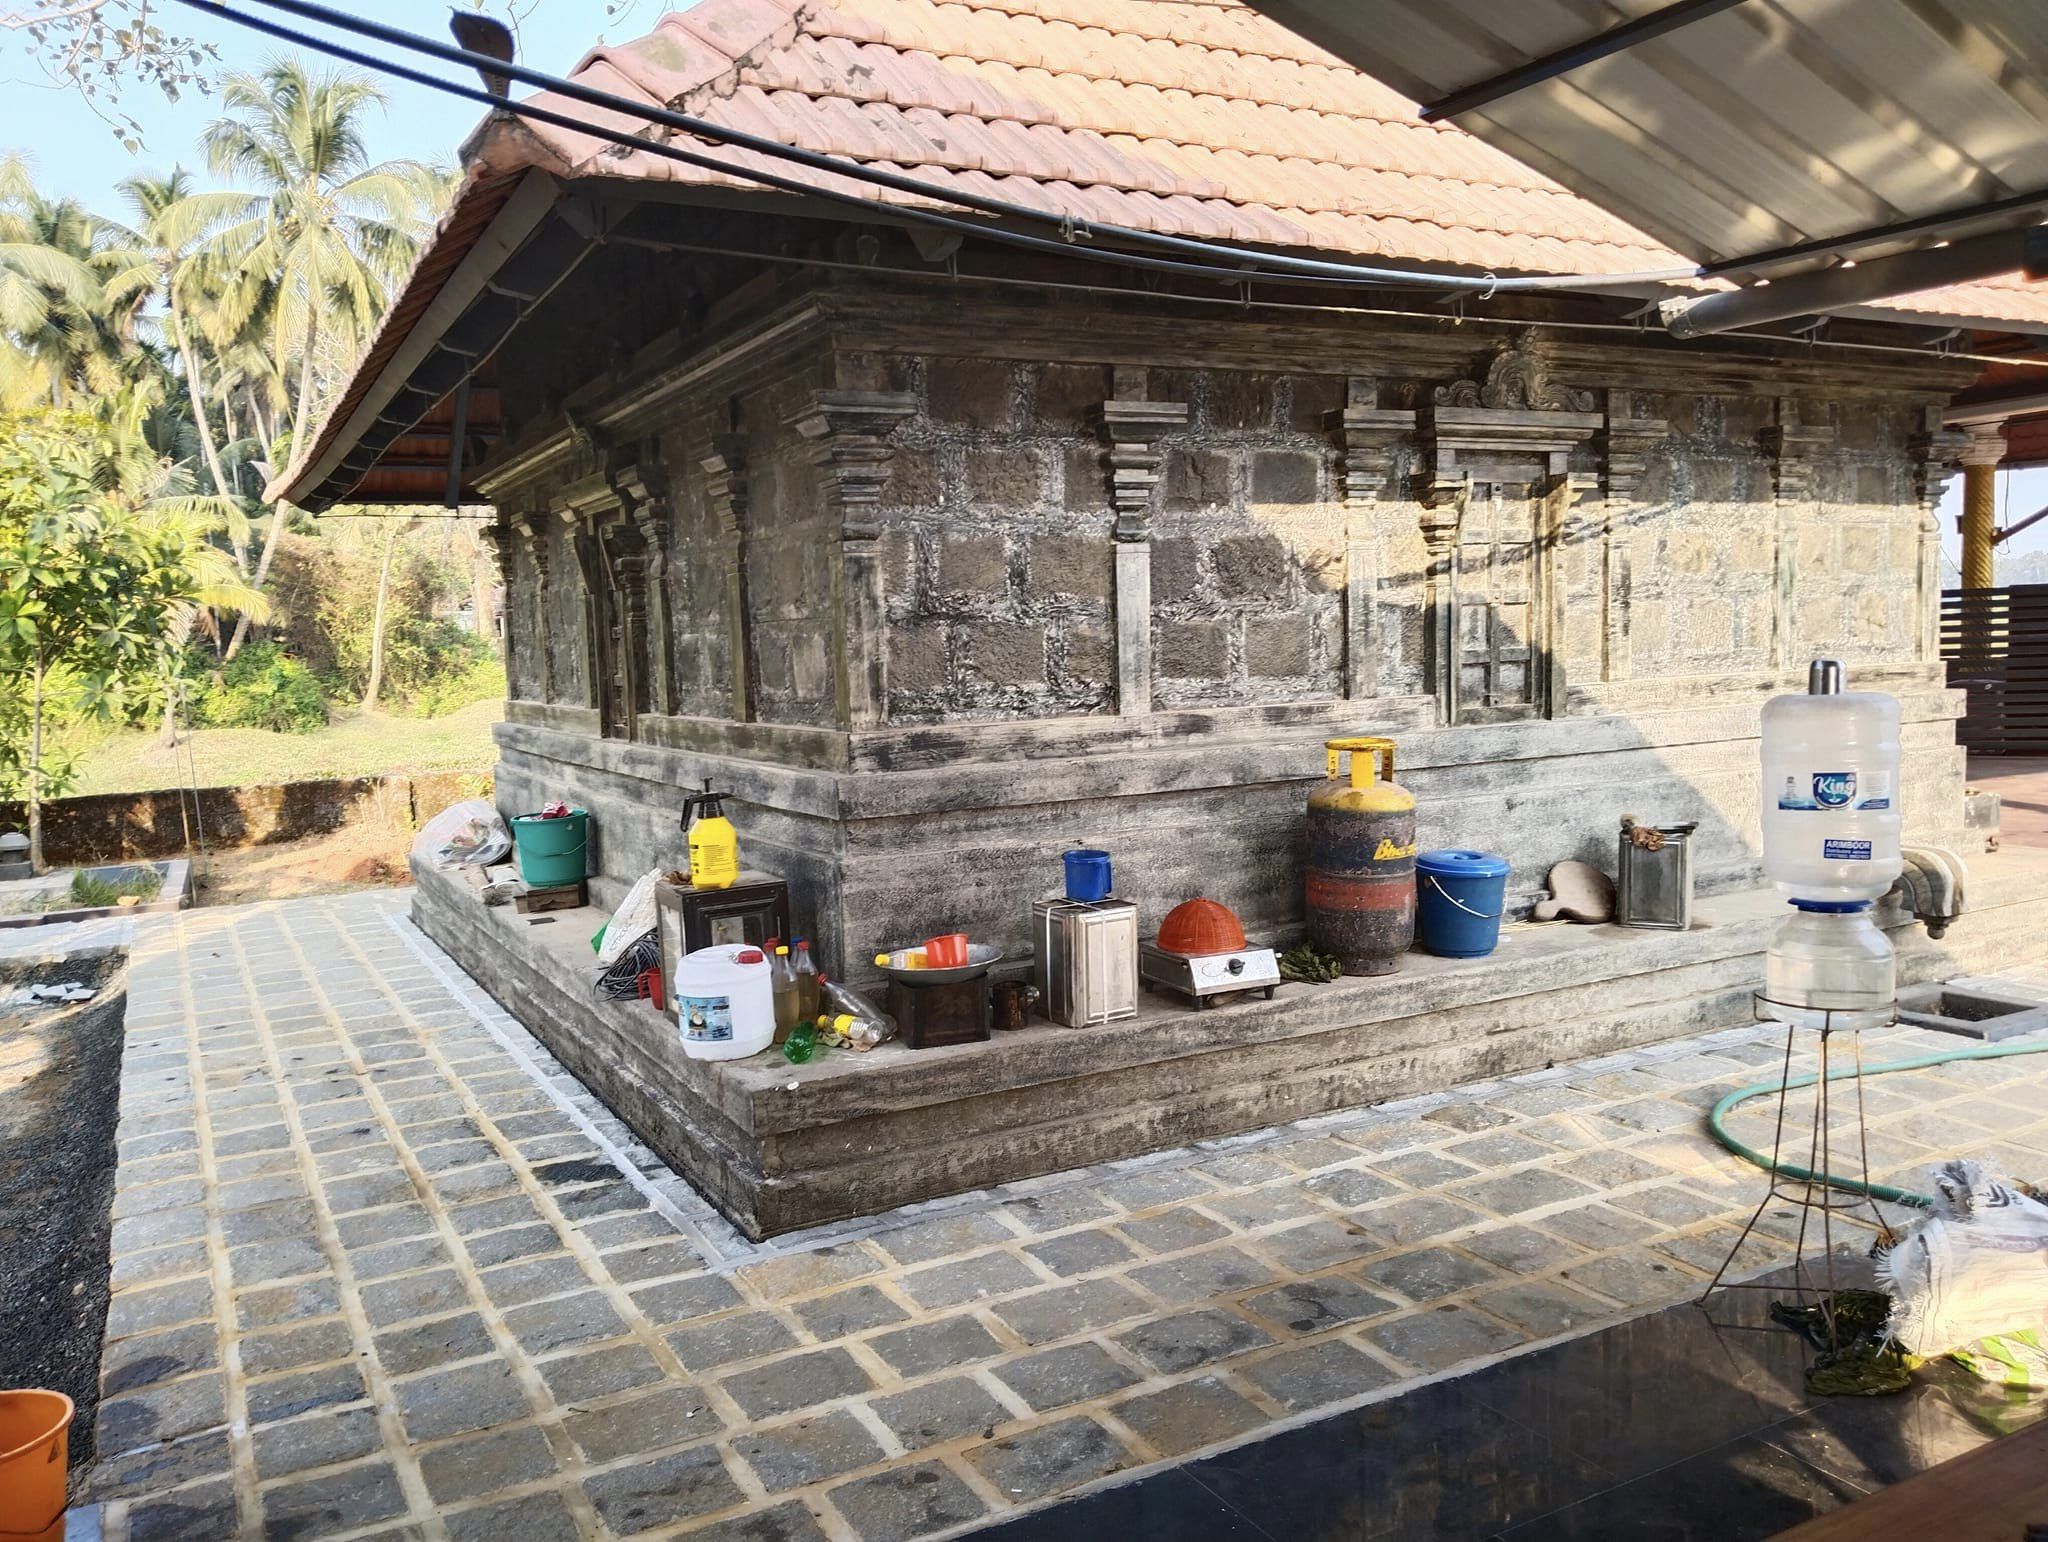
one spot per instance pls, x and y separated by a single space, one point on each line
329 231
162 260
56 331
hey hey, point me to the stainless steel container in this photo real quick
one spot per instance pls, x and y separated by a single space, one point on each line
1653 889
1086 964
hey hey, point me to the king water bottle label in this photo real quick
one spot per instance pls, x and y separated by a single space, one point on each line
1876 791
1832 791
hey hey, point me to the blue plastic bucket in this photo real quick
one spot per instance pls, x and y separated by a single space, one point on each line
551 851
1088 878
1458 900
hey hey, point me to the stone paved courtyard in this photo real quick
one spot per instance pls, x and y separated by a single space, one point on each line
382 1270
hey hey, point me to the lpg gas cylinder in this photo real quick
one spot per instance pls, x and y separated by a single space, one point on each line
1361 859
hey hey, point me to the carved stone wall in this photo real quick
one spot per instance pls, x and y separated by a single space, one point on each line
911 581
859 540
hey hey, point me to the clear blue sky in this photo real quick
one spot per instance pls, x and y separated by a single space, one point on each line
2020 493
76 154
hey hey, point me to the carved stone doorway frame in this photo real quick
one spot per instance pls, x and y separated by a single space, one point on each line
1513 429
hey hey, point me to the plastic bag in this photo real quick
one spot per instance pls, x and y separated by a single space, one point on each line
633 919
464 833
1970 1276
2013 1359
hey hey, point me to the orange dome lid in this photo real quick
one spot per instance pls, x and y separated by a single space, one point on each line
1200 926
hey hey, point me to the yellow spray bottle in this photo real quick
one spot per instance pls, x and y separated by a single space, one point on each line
714 844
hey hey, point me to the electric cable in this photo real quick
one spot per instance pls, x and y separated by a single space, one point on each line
1267 266
1304 307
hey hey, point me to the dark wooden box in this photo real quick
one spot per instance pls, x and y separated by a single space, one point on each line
930 1015
751 911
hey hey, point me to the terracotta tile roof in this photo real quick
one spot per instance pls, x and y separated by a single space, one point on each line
1191 117
1184 116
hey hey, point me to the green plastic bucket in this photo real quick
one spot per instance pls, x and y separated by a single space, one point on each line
551 851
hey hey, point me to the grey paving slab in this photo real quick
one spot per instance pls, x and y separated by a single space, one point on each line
382 1269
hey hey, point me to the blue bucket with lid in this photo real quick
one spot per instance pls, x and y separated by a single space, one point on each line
1459 896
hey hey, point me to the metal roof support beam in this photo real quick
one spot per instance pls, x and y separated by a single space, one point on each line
1994 409
2017 526
1803 294
1562 61
1873 235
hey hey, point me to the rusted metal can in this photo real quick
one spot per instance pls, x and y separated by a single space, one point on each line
1361 859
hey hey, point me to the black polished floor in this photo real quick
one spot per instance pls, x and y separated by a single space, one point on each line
1671 1426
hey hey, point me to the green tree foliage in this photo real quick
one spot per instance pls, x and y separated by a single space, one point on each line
98 571
62 336
187 346
432 665
260 687
322 237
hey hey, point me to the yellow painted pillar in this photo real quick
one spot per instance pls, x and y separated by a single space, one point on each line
1980 501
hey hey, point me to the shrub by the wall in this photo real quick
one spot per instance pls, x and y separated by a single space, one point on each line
262 687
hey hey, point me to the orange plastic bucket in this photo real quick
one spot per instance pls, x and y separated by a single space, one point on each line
35 1442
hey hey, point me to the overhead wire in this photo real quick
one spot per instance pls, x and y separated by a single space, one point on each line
1250 265
1224 261
1233 302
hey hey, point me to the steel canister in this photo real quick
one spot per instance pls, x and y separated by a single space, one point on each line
1653 882
1086 965
1361 859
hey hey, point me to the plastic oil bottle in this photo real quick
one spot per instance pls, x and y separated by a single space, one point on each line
1831 844
783 978
806 974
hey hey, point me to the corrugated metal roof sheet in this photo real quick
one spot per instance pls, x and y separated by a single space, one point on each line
1745 127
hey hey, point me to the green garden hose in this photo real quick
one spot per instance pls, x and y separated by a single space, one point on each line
1715 1120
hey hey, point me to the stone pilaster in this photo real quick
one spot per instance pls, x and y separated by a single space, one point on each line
643 487
1625 447
625 560
1440 523
1574 513
582 534
849 436
1793 450
1936 451
500 536
725 492
535 530
1369 439
1133 426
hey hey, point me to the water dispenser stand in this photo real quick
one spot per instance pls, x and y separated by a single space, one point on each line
1821 1119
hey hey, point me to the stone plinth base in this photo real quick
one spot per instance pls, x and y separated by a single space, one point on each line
777 1147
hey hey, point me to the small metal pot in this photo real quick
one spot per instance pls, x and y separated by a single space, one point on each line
1013 1003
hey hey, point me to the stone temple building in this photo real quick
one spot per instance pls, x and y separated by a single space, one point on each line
945 554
